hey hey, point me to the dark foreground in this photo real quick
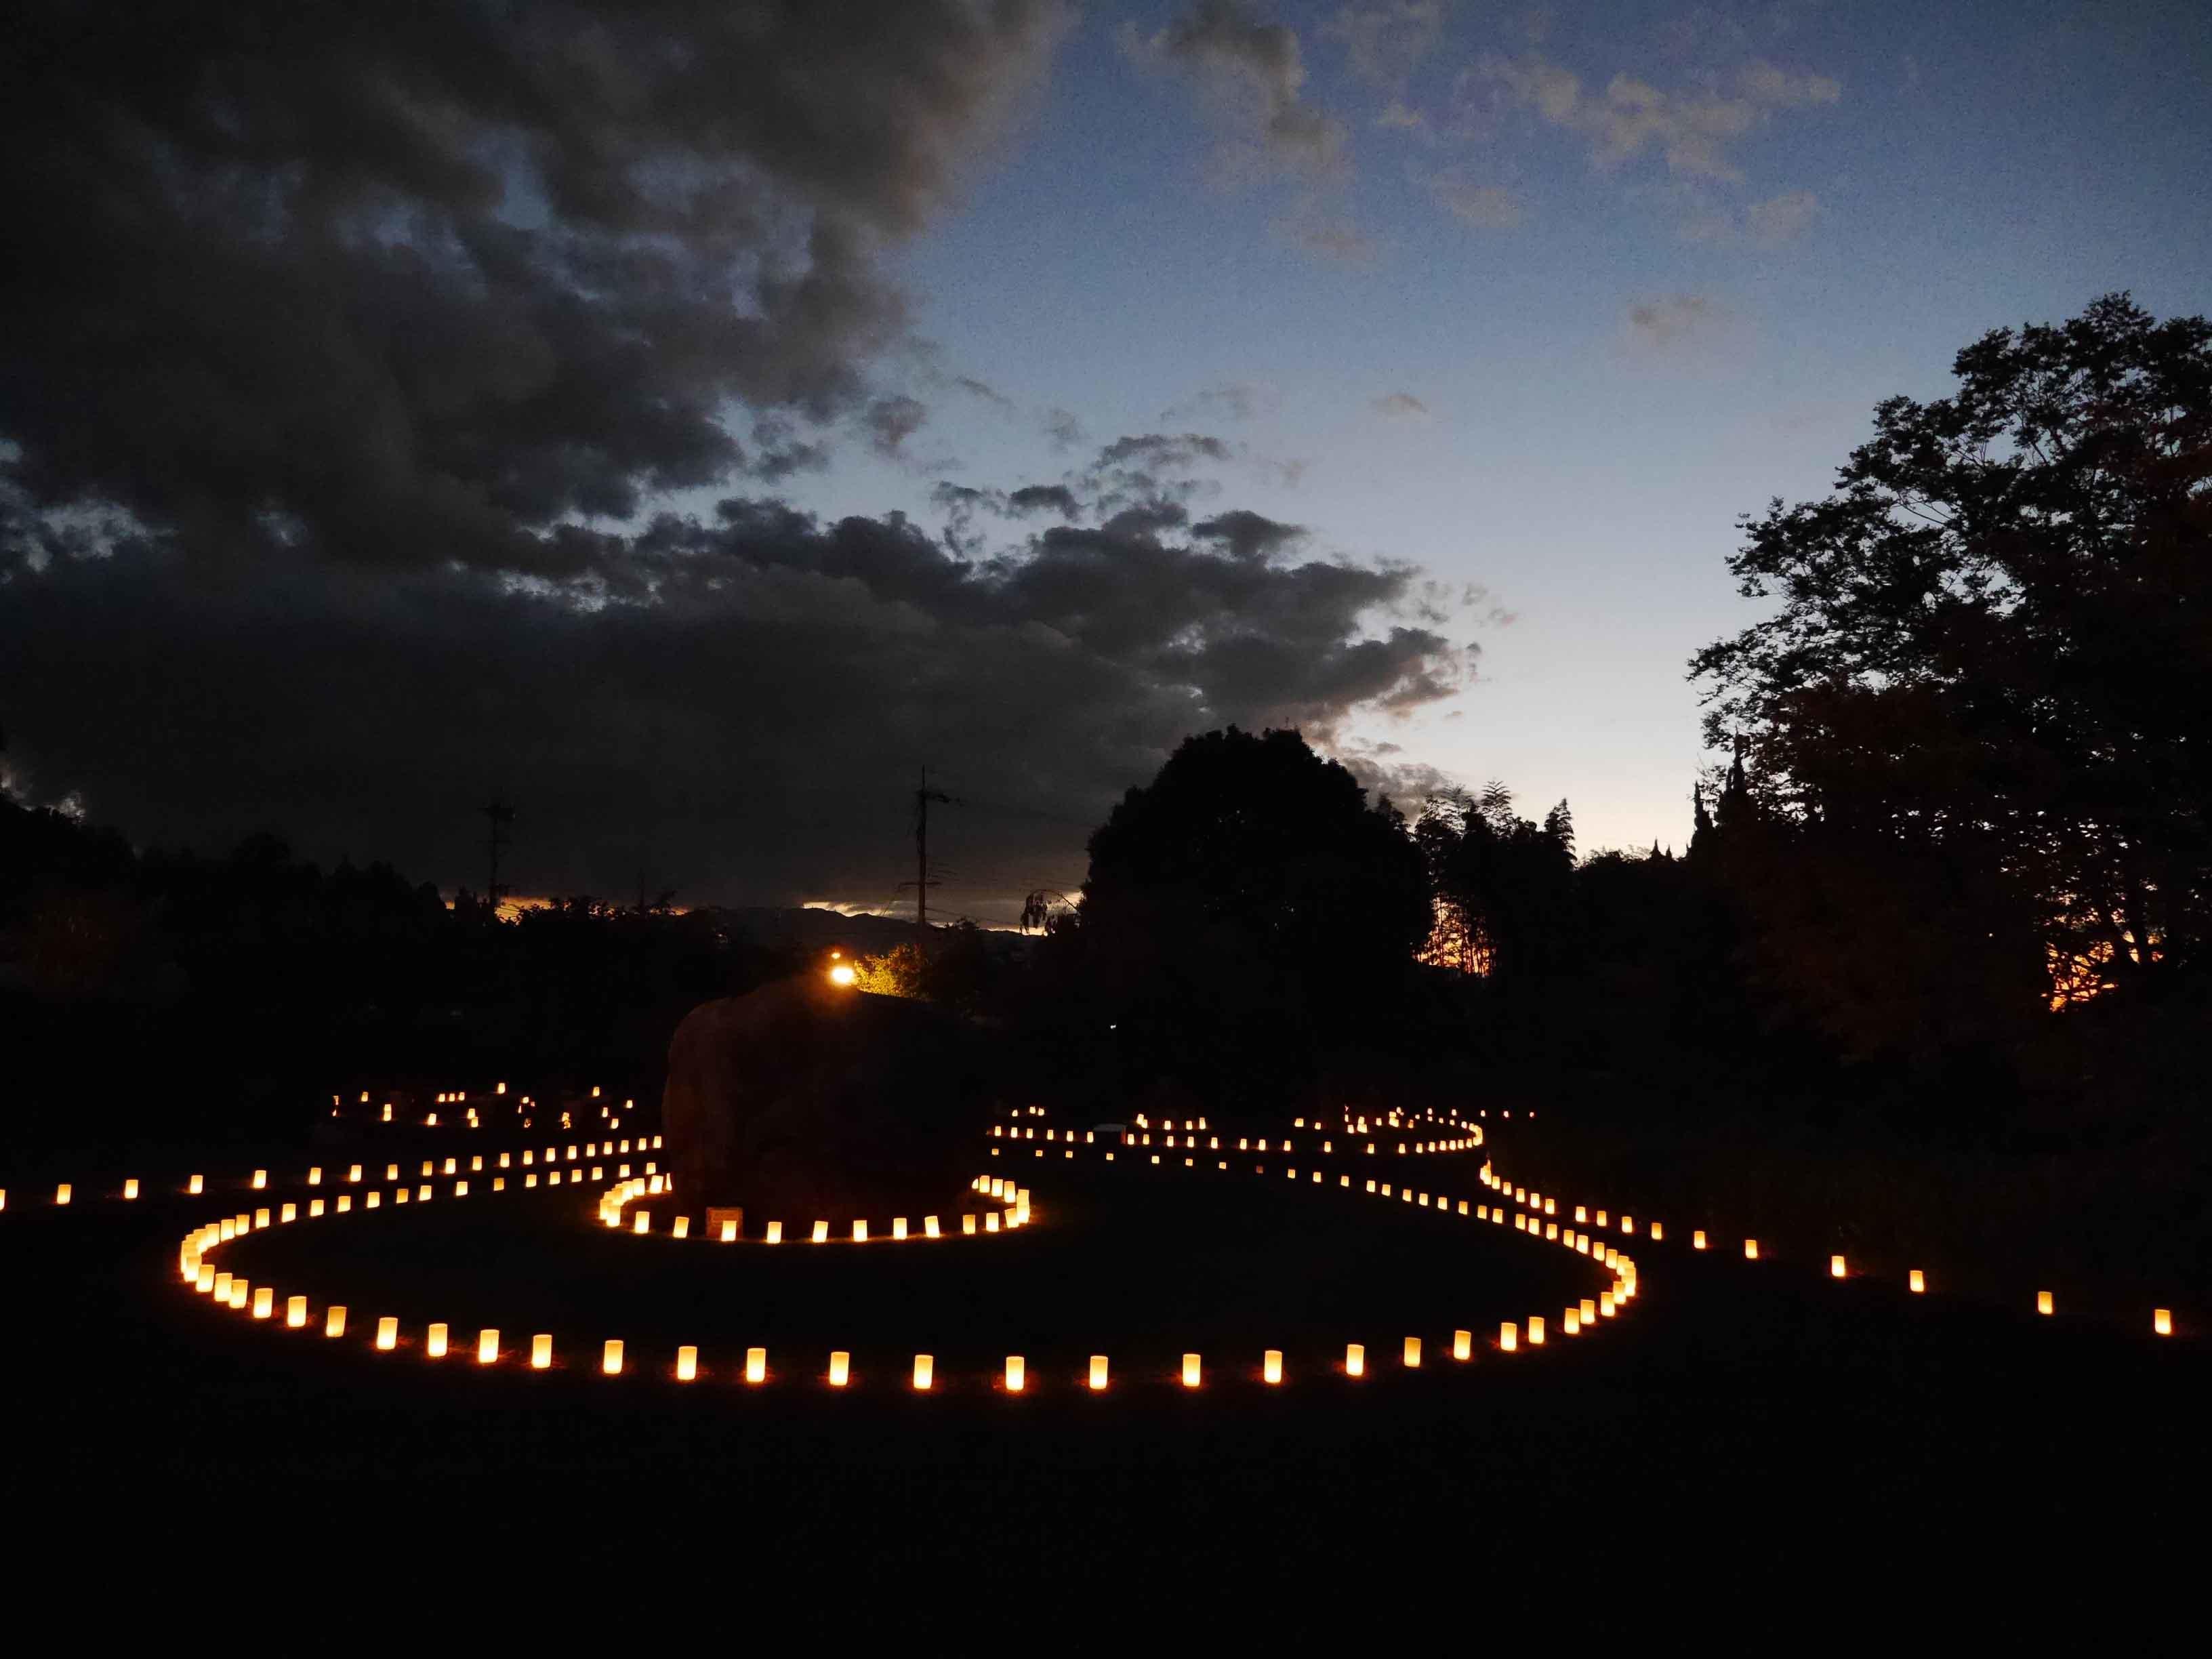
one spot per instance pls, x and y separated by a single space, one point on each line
1758 1456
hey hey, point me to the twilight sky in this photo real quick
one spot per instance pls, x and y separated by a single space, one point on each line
398 409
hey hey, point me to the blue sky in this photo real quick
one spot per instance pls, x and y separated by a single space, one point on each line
1808 207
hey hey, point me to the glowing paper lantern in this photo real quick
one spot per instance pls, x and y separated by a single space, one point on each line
991 1222
1751 1249
239 1287
1535 1333
2042 1302
841 1368
1657 1232
195 1186
859 1232
643 1223
334 1321
1588 1311
1509 1336
314 1208
820 1233
1571 1322
203 1281
1914 1283
1190 1371
929 1226
924 1372
610 1358
289 1212
387 1333
2162 1321
1835 1267
775 1235
898 1226
261 1179
487 1346
1016 1373
541 1352
435 1345
687 1363
131 1189
1096 1379
61 1193
1605 1306
264 1301
729 1232
1271 1365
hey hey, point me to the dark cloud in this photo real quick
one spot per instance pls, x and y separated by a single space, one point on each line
738 704
1232 400
891 421
1253 76
1063 431
404 286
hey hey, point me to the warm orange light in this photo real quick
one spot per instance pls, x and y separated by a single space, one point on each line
197 1185
775 1232
1606 1305
487 1346
1509 1336
131 1189
1588 1311
1412 1352
1751 1249
611 1356
239 1288
541 1352
62 1192
2042 1302
729 1232
1271 1365
264 1301
1190 1371
1658 1232
334 1322
435 1345
295 1311
643 1223
387 1332
1535 1333
842 974
924 1372
1914 1283
898 1226
687 1363
929 1226
820 1233
841 1368
1097 1378
261 1179
1016 1373
1697 1240
859 1232
204 1282
1835 1267
2162 1321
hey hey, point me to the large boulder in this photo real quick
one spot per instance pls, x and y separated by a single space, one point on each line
804 1101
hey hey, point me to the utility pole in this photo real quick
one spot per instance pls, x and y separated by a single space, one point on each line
923 796
500 814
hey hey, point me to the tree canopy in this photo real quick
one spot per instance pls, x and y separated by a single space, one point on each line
1993 650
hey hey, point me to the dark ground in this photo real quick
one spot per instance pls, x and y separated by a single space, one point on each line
1756 1457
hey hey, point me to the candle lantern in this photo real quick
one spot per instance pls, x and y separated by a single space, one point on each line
1462 1345
203 1281
1589 1310
841 1368
929 1226
239 1288
387 1333
1657 1232
1509 1336
1016 1373
687 1363
820 1233
435 1345
925 1370
264 1301
898 1226
1535 1333
1697 1240
1751 1249
775 1232
1915 1282
541 1352
334 1321
643 1222
2042 1302
1190 1371
289 1212
611 1356
131 1189
1098 1377
1271 1365
261 1179
1571 1322
487 1346
1835 1267
1605 1306
295 1311
1412 1352
2162 1321
859 1232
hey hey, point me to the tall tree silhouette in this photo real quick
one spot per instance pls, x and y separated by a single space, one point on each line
1986 683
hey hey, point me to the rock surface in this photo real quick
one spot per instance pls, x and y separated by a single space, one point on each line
804 1102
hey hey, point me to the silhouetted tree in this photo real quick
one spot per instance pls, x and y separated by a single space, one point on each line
1977 723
